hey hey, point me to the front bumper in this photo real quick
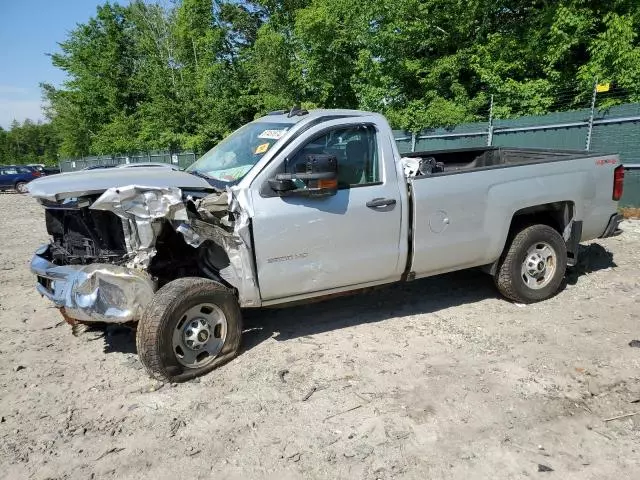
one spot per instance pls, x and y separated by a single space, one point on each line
613 227
93 293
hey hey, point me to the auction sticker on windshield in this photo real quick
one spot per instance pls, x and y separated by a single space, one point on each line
262 148
273 134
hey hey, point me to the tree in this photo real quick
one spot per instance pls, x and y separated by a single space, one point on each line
28 142
186 73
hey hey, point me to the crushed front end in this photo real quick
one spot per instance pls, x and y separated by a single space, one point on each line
109 252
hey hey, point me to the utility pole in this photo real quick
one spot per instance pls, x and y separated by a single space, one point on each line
490 129
593 111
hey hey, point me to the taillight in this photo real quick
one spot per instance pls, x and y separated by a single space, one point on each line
618 183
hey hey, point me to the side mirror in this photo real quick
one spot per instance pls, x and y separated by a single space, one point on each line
316 177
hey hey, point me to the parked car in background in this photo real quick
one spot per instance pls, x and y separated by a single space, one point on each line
50 170
16 177
43 169
36 166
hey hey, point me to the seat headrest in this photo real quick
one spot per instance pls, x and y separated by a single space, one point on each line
356 148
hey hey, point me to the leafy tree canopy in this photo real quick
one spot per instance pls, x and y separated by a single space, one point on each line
152 76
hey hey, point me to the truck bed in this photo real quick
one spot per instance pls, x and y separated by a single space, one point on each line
462 160
464 220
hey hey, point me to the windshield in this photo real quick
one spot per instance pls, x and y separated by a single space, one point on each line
233 157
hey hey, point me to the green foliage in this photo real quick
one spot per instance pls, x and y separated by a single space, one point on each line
28 143
147 76
615 54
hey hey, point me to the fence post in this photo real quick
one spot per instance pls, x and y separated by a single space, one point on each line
490 129
413 141
593 109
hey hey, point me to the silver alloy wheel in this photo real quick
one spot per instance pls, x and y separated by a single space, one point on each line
199 335
21 187
539 265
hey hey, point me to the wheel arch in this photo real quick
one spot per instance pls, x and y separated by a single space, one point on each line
19 181
559 215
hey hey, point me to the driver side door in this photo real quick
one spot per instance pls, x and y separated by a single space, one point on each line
305 246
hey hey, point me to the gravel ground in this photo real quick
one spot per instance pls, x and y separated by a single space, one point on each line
438 378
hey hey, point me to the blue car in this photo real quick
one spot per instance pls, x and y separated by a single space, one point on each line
16 177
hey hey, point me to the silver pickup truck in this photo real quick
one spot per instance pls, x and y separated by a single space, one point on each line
297 205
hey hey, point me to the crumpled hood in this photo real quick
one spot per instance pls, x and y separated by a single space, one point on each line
90 182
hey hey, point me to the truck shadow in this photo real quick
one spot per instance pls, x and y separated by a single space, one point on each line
591 258
423 296
382 303
119 338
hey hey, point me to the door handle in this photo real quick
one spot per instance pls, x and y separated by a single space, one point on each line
381 202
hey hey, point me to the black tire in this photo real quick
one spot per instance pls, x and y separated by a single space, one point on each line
21 187
164 312
509 278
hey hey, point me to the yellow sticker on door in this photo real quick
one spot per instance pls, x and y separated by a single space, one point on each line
262 148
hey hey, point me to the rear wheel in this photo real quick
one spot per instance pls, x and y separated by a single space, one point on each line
190 327
21 187
534 265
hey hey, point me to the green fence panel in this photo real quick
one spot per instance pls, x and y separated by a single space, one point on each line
560 138
447 143
631 195
620 138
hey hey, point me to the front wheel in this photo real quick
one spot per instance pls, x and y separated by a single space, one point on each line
190 327
534 265
21 187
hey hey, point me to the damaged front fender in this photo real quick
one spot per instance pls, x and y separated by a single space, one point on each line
222 218
225 220
241 271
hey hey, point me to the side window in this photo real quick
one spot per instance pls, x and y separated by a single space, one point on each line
23 170
10 171
355 148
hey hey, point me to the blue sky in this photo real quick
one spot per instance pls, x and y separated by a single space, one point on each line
29 29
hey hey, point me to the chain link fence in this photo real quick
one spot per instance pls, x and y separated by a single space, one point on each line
179 159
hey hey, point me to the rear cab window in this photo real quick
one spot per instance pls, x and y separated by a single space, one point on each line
356 149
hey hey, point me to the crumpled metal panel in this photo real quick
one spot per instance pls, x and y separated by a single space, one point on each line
215 207
226 222
190 236
141 209
228 225
96 292
240 273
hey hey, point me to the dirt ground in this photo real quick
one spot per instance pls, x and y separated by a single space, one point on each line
438 378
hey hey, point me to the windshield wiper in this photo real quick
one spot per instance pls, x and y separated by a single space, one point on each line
201 175
214 182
